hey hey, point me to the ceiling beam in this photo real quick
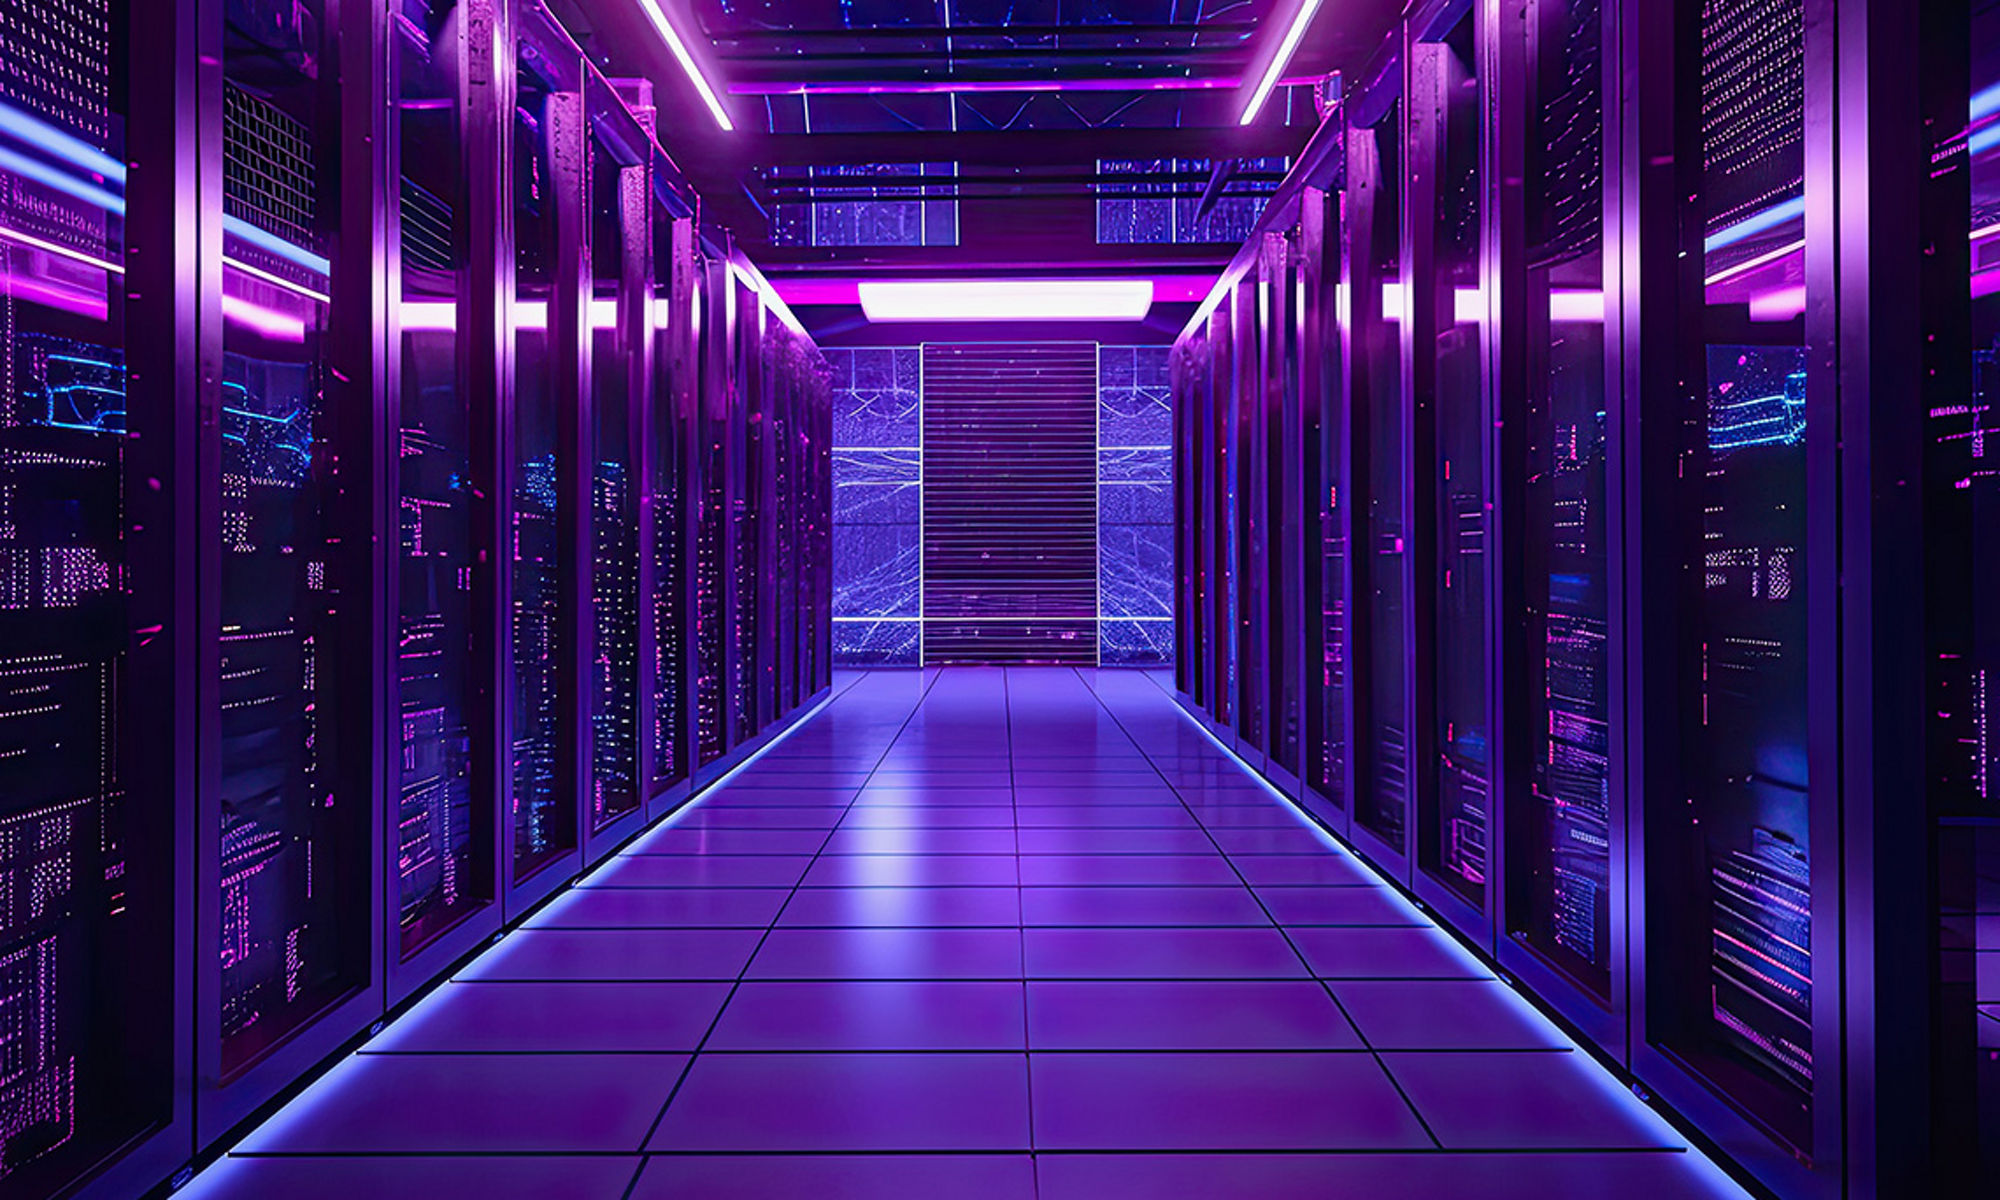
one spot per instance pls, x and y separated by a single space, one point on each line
1042 147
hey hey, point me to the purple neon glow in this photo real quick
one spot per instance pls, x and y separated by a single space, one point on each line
1008 300
51 294
682 56
269 322
808 290
1288 46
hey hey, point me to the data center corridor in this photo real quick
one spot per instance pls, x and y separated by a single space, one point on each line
973 933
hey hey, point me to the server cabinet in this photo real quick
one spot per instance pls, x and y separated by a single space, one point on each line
1954 206
1739 1009
1325 497
671 419
441 423
1377 365
545 529
1284 505
290 469
714 587
96 449
1250 581
1449 455
616 154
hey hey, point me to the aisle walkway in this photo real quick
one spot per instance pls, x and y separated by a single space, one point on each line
973 934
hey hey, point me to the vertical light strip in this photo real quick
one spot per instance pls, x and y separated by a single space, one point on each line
1272 70
680 52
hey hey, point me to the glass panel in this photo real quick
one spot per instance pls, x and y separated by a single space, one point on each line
1560 868
441 861
1962 521
544 811
713 528
614 716
1328 771
669 500
746 509
1384 792
292 841
1246 542
1737 848
1454 835
85 1068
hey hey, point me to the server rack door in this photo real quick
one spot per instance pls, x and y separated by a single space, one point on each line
1740 862
1324 498
95 436
615 173
290 515
1220 543
671 424
1246 501
545 131
1190 480
1961 521
1562 829
1453 426
1284 506
1375 297
443 656
712 589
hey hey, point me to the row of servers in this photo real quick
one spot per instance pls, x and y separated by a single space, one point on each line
1588 509
404 499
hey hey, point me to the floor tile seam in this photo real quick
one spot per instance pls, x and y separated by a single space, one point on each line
1020 911
653 1129
1380 1065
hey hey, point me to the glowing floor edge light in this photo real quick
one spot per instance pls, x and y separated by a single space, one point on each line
1604 1076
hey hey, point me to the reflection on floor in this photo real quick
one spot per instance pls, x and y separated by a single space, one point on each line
973 933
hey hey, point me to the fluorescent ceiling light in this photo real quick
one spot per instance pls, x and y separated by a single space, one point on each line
680 51
1279 61
1008 300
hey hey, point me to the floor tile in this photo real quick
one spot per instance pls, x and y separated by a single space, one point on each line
553 1017
1383 954
1205 1101
1160 815
1158 954
695 871
617 954
1099 906
920 841
1337 906
1296 870
929 817
660 908
934 870
1533 1100
1421 1176
872 1015
888 954
1185 1015
1246 816
837 1177
904 906
911 795
730 841
413 1177
1444 1014
1107 870
552 1103
717 816
849 1102
1069 795
1293 840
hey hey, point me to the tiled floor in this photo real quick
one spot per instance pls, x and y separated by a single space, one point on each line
973 934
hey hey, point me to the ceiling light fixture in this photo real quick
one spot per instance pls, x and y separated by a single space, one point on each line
1008 300
1279 61
681 55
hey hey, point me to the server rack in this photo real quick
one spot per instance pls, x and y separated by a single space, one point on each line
263 460
441 431
1697 230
